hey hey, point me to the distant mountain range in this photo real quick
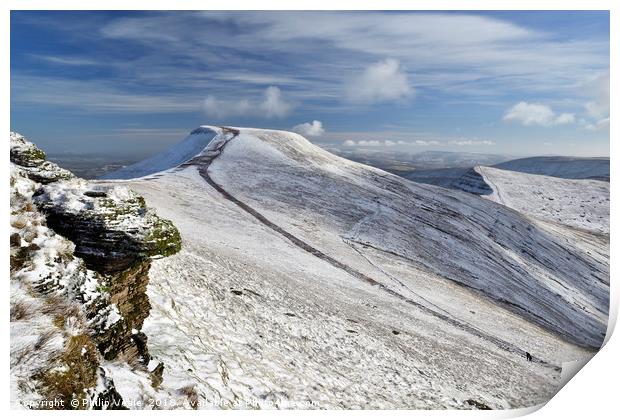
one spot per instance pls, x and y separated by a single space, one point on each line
561 167
455 166
400 162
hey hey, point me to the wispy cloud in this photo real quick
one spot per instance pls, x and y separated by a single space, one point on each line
602 124
67 61
356 71
462 55
101 97
598 89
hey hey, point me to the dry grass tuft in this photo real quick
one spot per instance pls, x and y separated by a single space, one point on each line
72 373
191 394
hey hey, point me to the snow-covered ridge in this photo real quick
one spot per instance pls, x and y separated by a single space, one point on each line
281 172
170 158
309 277
579 203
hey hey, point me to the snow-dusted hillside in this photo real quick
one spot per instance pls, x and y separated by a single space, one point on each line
169 158
561 167
565 167
308 280
581 203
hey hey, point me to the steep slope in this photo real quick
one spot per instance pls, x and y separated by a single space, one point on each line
582 203
561 167
307 279
443 177
169 158
473 182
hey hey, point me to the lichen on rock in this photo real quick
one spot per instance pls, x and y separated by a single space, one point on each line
110 226
33 161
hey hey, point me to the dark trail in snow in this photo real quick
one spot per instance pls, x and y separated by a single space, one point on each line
203 162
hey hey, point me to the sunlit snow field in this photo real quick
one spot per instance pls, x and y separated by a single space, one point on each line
463 286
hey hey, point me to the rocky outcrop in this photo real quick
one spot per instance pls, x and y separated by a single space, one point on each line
126 292
32 161
111 226
82 252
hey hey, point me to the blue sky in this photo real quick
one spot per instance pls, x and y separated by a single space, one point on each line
523 83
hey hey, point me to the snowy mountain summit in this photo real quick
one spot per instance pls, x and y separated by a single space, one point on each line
307 280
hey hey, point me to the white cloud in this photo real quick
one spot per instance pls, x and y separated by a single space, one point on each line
536 114
530 114
313 129
389 143
469 142
371 143
271 106
565 118
426 143
379 82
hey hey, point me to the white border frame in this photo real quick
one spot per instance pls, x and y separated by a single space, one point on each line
591 394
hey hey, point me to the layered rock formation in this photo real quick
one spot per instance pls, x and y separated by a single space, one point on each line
32 161
81 255
111 227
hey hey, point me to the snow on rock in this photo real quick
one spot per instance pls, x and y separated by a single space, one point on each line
67 314
33 161
48 315
111 227
307 280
